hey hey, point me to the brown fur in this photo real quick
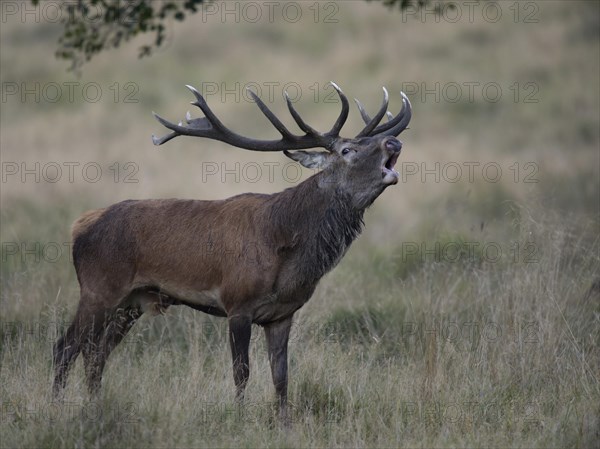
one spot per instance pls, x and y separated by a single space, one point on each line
84 221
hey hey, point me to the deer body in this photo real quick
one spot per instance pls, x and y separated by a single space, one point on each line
252 258
261 264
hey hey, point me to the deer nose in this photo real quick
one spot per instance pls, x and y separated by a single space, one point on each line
393 145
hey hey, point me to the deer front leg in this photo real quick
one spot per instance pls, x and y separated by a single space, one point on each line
277 335
240 328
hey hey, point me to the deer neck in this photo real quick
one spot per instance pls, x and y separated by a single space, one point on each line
317 223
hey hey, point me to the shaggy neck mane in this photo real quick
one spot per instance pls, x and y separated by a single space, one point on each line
318 228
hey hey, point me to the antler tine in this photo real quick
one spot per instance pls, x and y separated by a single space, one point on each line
372 123
335 131
164 139
206 127
208 113
301 123
399 123
365 116
285 133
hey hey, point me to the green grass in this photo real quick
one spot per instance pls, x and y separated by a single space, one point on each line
463 317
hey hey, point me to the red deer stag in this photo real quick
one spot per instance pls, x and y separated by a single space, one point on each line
136 256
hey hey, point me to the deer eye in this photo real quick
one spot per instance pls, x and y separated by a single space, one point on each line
345 151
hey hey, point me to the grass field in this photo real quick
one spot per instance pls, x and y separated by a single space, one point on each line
466 315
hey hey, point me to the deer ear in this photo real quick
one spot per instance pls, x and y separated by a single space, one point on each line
309 159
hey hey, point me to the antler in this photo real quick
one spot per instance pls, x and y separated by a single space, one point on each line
211 127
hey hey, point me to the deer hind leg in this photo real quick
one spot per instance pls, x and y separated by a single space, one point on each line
112 326
74 341
65 352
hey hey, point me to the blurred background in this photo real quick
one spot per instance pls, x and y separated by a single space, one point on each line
503 148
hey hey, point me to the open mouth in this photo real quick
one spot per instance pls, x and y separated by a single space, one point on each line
388 173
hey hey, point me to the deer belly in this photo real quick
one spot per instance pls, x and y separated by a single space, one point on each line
206 298
156 300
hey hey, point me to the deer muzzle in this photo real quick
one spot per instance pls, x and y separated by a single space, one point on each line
392 151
